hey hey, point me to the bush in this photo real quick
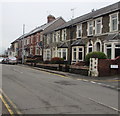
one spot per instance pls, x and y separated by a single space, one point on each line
99 55
57 60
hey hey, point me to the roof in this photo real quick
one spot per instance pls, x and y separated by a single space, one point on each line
21 37
79 42
91 15
112 37
42 27
63 45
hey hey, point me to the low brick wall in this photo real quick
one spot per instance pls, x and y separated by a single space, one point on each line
82 70
63 67
104 67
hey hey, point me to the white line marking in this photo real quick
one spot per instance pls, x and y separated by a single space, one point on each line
92 82
104 104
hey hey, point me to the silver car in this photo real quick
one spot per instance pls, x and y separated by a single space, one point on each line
12 60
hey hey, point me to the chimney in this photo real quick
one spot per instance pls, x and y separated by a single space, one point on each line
50 18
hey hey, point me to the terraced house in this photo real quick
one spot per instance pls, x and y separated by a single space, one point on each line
31 44
98 30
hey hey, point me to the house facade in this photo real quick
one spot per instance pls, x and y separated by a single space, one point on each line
31 44
96 31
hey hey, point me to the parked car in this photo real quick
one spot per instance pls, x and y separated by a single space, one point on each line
12 60
5 60
1 59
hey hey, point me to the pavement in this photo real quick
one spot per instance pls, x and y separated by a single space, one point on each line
31 91
112 82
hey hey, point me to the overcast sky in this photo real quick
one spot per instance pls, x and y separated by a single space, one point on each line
15 13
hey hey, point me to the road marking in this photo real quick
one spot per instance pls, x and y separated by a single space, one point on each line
92 82
104 105
7 106
12 104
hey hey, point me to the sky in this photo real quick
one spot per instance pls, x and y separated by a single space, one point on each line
15 13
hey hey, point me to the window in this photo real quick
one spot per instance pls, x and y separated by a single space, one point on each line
64 34
57 36
90 49
78 53
117 50
108 48
59 53
62 53
48 39
79 31
48 54
74 54
98 26
54 37
90 28
114 22
37 51
31 50
98 46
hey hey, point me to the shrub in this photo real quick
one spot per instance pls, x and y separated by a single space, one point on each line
57 60
99 55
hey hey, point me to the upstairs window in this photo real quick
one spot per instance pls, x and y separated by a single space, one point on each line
114 22
98 26
90 28
79 31
64 34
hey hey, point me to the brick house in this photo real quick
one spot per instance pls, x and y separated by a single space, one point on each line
96 31
32 42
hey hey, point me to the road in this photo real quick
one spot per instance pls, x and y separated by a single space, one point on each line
37 92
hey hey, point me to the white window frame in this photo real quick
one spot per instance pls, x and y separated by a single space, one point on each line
57 36
113 44
31 50
77 53
110 25
48 50
90 47
89 27
48 38
64 34
36 50
60 50
79 28
100 25
95 44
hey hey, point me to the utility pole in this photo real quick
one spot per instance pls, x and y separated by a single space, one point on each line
71 37
23 44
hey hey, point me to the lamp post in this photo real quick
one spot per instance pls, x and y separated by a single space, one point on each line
23 44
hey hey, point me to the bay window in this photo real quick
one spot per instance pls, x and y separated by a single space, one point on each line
62 53
78 53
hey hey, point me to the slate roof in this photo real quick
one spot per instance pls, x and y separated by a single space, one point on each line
79 42
113 37
90 15
42 27
63 45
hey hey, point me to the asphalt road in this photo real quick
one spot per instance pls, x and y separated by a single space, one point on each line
38 92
